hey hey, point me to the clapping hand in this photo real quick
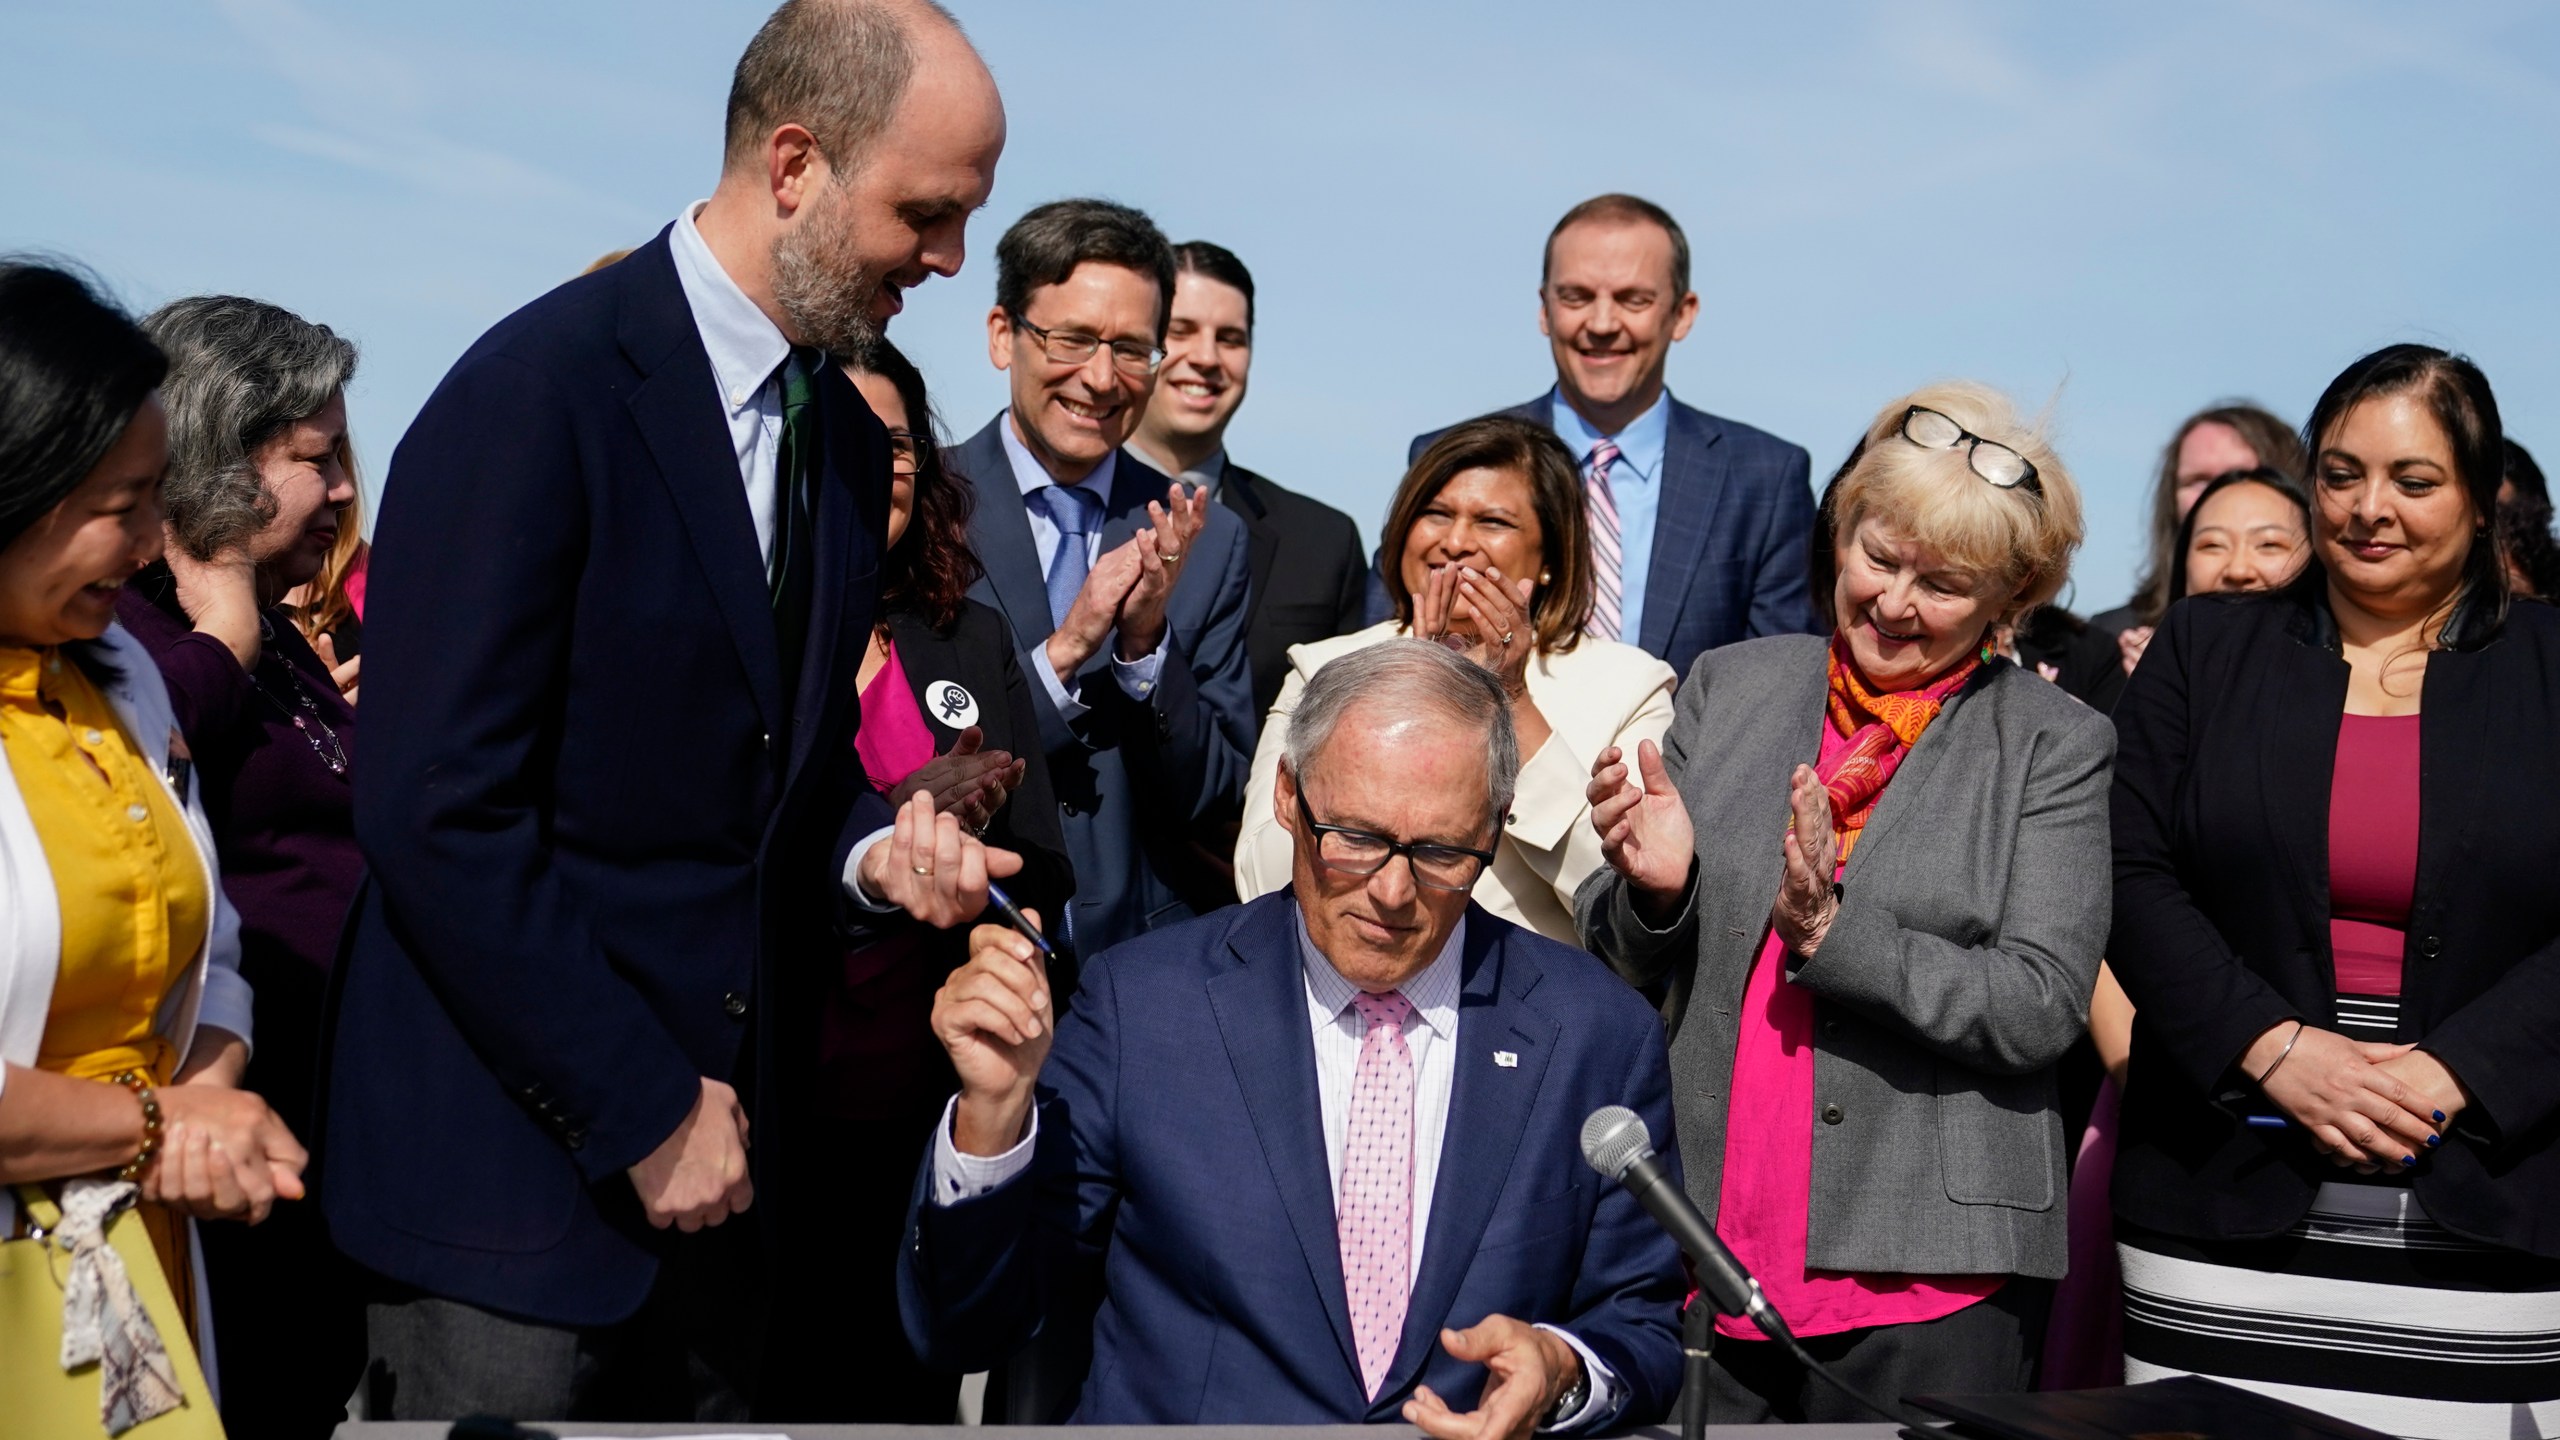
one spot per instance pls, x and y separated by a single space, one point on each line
967 780
1162 550
1096 609
1644 827
995 1018
1806 901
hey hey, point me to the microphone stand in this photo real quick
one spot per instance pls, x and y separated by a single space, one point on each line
1697 1347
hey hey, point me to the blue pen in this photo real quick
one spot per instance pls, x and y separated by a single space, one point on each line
1013 916
2269 1122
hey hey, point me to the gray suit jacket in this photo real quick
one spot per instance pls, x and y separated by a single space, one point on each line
1972 918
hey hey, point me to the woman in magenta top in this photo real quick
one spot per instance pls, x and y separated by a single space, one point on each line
945 708
2336 919
1868 876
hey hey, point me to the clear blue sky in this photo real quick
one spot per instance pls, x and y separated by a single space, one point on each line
2124 212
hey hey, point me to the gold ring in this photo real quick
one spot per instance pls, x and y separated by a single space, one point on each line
1506 637
922 869
1168 556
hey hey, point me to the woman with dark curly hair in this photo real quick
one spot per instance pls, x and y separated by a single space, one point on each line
945 708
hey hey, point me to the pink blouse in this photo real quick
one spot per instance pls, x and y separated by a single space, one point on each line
2373 849
894 740
1765 1204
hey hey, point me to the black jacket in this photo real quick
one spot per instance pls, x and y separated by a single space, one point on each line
2228 736
1320 592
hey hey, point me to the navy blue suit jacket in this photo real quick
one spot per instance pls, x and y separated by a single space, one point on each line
1730 536
598 829
1181 1141
1140 782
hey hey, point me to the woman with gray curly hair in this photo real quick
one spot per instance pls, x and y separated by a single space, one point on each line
259 480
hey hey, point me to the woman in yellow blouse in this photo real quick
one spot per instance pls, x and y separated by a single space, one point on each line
124 1024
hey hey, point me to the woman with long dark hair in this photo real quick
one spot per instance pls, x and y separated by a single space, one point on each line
945 709
2334 813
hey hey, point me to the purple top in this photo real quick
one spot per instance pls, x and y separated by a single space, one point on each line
283 820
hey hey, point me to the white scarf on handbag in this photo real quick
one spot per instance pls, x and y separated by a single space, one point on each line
102 1317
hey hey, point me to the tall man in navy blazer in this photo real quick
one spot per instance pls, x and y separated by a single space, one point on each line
623 582
1324 1146
1701 525
1126 592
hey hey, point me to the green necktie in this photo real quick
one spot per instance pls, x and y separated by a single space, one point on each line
790 573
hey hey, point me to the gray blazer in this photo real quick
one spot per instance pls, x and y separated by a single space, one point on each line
1972 918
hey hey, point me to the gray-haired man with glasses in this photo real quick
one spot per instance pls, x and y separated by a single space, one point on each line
1324 1144
1126 591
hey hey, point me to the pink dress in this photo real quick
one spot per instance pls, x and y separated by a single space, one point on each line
1765 1204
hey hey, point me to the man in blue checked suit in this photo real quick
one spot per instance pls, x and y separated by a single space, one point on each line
1321 1148
1700 525
1127 596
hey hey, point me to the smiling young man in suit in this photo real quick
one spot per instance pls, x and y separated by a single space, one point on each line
1701 526
610 803
1322 591
1325 1146
1126 591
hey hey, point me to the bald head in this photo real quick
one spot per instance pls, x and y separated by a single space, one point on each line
840 70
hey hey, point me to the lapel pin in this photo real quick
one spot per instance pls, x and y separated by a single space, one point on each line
1507 1059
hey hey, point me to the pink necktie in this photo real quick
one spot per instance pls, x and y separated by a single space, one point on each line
1376 1218
1606 557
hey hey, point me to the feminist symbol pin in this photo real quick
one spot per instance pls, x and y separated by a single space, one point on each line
952 705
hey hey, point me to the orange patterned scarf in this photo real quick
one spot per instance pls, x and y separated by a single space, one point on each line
1880 729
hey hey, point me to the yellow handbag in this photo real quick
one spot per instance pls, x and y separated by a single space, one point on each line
43 1399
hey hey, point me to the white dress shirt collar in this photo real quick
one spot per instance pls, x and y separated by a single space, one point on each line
1433 991
1206 475
1029 474
746 347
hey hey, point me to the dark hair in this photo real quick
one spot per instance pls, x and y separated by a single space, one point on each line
1560 606
2524 527
2269 438
932 567
1046 245
73 369
837 68
240 372
1199 257
1630 210
1822 569
2267 475
2457 394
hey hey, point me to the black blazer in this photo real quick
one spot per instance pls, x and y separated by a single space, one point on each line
1323 590
599 826
976 658
2228 736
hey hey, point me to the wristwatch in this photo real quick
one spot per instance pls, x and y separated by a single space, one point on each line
1570 1403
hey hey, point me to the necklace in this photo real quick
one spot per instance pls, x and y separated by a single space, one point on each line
305 712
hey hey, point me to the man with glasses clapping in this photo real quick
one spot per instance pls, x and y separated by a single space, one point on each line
1125 590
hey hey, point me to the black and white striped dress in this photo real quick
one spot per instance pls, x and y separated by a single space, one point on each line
2366 1309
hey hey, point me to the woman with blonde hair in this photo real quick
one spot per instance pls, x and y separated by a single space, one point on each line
1493 561
1871 874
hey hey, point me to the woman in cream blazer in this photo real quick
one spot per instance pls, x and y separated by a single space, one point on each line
1494 561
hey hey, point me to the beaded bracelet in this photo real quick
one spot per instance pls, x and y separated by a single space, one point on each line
140 1085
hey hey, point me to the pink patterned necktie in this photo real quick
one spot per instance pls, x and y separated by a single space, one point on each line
1376 1218
1606 555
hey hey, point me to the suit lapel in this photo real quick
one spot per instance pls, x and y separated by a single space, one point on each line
2456 760
848 513
677 409
1693 485
1489 1107
1000 532
1261 1005
2298 757
1261 536
1134 482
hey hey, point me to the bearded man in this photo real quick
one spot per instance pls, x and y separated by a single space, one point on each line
610 799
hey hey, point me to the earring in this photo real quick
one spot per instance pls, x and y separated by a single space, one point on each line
1545 575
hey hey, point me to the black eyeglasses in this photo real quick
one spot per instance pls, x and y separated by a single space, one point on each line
902 452
1074 347
1990 459
1359 852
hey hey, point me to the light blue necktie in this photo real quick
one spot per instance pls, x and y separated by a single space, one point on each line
1073 509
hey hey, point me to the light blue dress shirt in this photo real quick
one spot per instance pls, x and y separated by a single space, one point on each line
1137 677
1635 482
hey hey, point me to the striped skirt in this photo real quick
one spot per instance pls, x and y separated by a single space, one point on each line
2366 1310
